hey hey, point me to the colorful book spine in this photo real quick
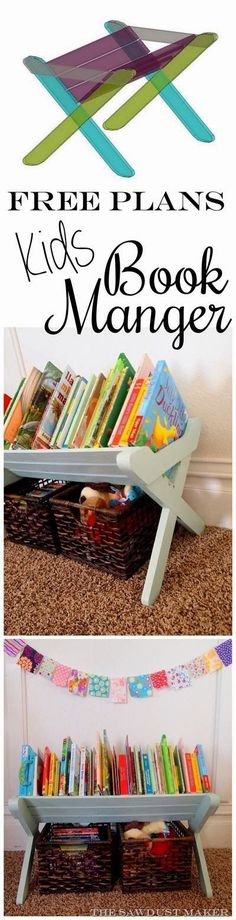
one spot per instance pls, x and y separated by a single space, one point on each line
196 774
27 770
89 412
146 773
77 415
56 777
124 440
179 770
65 766
53 410
99 763
167 766
69 407
46 768
106 766
145 368
121 363
38 773
122 764
206 784
51 778
82 775
74 770
113 409
152 769
49 379
173 769
184 766
161 769
158 775
190 771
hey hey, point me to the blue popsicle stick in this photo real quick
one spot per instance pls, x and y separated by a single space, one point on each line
90 130
176 102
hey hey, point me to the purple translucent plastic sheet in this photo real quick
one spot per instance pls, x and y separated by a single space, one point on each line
108 54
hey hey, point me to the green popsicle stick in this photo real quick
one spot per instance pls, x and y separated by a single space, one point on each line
81 114
159 80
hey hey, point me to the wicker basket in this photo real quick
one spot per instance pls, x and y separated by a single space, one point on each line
159 863
30 520
119 540
63 867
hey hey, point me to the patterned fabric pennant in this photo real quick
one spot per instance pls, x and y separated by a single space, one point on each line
140 685
47 667
99 686
213 662
118 690
178 677
197 667
224 650
78 683
13 646
29 659
61 675
159 679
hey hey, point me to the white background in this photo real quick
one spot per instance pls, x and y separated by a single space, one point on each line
44 713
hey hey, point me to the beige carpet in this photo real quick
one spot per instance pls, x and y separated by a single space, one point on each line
46 594
177 903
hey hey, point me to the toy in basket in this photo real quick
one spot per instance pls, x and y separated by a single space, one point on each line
155 856
104 528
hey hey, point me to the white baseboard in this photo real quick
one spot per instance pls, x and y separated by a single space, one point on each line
217 832
209 490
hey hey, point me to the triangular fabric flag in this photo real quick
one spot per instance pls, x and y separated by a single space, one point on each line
30 659
213 662
178 677
78 683
159 679
99 685
12 647
140 685
224 650
61 675
118 690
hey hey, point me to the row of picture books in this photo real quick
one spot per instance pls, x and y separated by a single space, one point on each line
101 770
51 409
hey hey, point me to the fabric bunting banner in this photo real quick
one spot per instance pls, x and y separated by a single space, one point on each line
117 689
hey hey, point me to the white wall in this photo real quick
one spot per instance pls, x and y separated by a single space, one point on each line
202 370
41 713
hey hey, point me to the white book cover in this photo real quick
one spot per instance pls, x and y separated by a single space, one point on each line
82 771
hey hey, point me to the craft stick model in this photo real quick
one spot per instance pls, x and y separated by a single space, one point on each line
84 80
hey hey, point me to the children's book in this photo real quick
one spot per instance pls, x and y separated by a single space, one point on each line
167 765
8 411
147 774
72 410
74 770
174 769
152 770
141 390
56 777
20 404
26 771
46 768
38 773
123 775
77 415
179 770
162 416
53 410
65 766
82 775
160 761
206 784
51 778
196 774
88 411
68 407
144 370
103 402
49 378
114 405
106 765
184 765
99 764
190 771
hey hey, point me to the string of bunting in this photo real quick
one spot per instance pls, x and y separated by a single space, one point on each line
116 689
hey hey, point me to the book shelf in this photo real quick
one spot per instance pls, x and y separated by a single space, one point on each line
136 465
35 810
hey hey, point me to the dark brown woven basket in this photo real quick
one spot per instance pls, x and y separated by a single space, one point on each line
30 520
159 864
63 868
119 540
